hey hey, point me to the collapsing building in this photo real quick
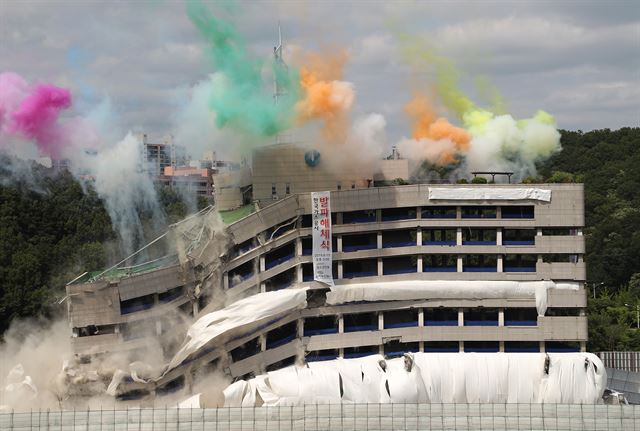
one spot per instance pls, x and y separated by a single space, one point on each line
403 269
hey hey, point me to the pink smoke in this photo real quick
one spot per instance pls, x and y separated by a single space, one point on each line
33 112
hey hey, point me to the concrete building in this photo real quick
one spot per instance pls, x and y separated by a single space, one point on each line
158 155
379 234
192 180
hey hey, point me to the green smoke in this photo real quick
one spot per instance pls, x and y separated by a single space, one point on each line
241 99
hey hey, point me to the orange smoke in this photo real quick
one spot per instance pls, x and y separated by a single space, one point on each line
427 126
326 97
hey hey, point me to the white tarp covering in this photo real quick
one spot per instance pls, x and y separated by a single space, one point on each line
321 237
432 378
244 315
446 289
489 194
193 402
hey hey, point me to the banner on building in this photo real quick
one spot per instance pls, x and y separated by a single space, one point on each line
321 225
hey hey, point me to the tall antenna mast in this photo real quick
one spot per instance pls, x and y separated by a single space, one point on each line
280 73
280 68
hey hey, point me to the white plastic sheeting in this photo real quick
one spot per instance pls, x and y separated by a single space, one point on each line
489 194
241 316
446 289
430 378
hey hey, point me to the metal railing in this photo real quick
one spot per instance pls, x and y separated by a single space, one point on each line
337 417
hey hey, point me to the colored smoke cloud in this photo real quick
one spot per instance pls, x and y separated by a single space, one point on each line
32 113
490 141
434 138
325 96
241 100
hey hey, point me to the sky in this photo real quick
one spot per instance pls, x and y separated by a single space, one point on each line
578 60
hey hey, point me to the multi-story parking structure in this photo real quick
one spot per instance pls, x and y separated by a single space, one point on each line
382 234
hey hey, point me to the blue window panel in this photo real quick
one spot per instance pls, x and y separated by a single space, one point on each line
440 269
359 247
441 349
400 325
520 323
307 278
312 332
276 262
481 349
357 354
478 243
559 349
276 343
438 216
399 271
428 242
519 269
398 217
306 252
480 323
513 242
135 308
480 269
440 323
508 349
318 358
393 244
360 328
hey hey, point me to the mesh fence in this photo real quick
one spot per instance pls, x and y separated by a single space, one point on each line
337 417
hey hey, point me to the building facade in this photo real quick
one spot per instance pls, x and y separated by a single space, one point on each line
380 235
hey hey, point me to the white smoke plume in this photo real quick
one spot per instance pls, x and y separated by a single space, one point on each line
502 143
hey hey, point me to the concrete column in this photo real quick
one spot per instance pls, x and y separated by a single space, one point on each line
300 328
498 212
196 307
262 264
459 264
458 213
380 268
380 321
378 215
579 232
340 324
421 317
459 236
539 232
225 280
461 344
339 243
299 275
500 263
263 342
501 317
263 287
419 263
499 237
379 239
298 246
419 237
542 349
421 346
340 270
460 316
338 218
501 344
583 346
419 213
